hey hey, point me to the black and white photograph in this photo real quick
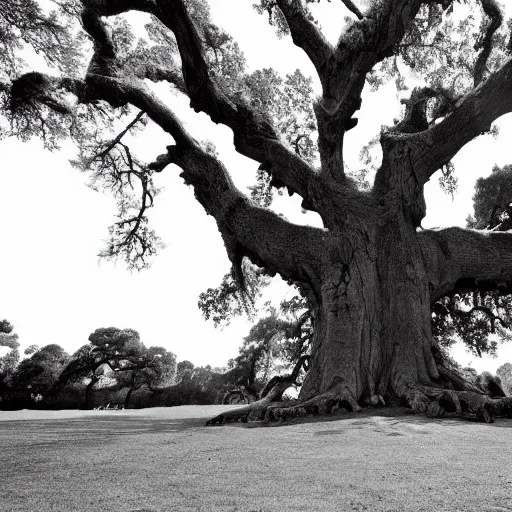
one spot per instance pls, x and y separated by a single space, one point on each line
257 255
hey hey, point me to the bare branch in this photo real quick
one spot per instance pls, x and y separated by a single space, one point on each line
244 227
118 138
353 8
305 34
493 12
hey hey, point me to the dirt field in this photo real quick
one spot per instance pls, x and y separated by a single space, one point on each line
159 460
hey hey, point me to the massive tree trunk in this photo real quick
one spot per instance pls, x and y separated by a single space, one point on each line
372 322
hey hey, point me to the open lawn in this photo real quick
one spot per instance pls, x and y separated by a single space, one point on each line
164 459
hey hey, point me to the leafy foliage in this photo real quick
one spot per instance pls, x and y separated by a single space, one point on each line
229 299
505 374
473 318
492 200
45 108
9 361
38 373
273 347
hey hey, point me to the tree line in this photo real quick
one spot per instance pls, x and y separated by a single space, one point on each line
115 369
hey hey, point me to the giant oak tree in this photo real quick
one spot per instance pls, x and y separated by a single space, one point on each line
370 274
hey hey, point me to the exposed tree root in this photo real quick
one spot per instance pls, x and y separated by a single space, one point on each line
456 395
321 404
435 402
267 409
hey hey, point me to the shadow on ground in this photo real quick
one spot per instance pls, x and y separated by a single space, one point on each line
368 415
109 424
41 432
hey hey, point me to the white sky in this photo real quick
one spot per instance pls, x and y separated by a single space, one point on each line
54 289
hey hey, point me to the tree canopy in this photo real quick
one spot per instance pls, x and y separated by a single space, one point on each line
38 373
9 361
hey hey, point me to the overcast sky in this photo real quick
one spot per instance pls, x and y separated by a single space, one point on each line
55 290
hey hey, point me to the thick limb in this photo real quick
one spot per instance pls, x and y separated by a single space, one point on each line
254 135
463 259
306 35
472 116
247 230
361 47
352 7
493 12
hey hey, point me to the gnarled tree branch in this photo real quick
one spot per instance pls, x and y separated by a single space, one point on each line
472 116
464 260
267 239
352 7
493 12
306 35
254 136
363 45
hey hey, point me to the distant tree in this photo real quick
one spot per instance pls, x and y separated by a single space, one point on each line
505 373
132 363
197 384
274 345
155 368
184 370
39 373
9 361
31 349
7 337
492 201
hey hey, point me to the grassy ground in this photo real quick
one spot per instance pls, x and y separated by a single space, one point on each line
159 460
